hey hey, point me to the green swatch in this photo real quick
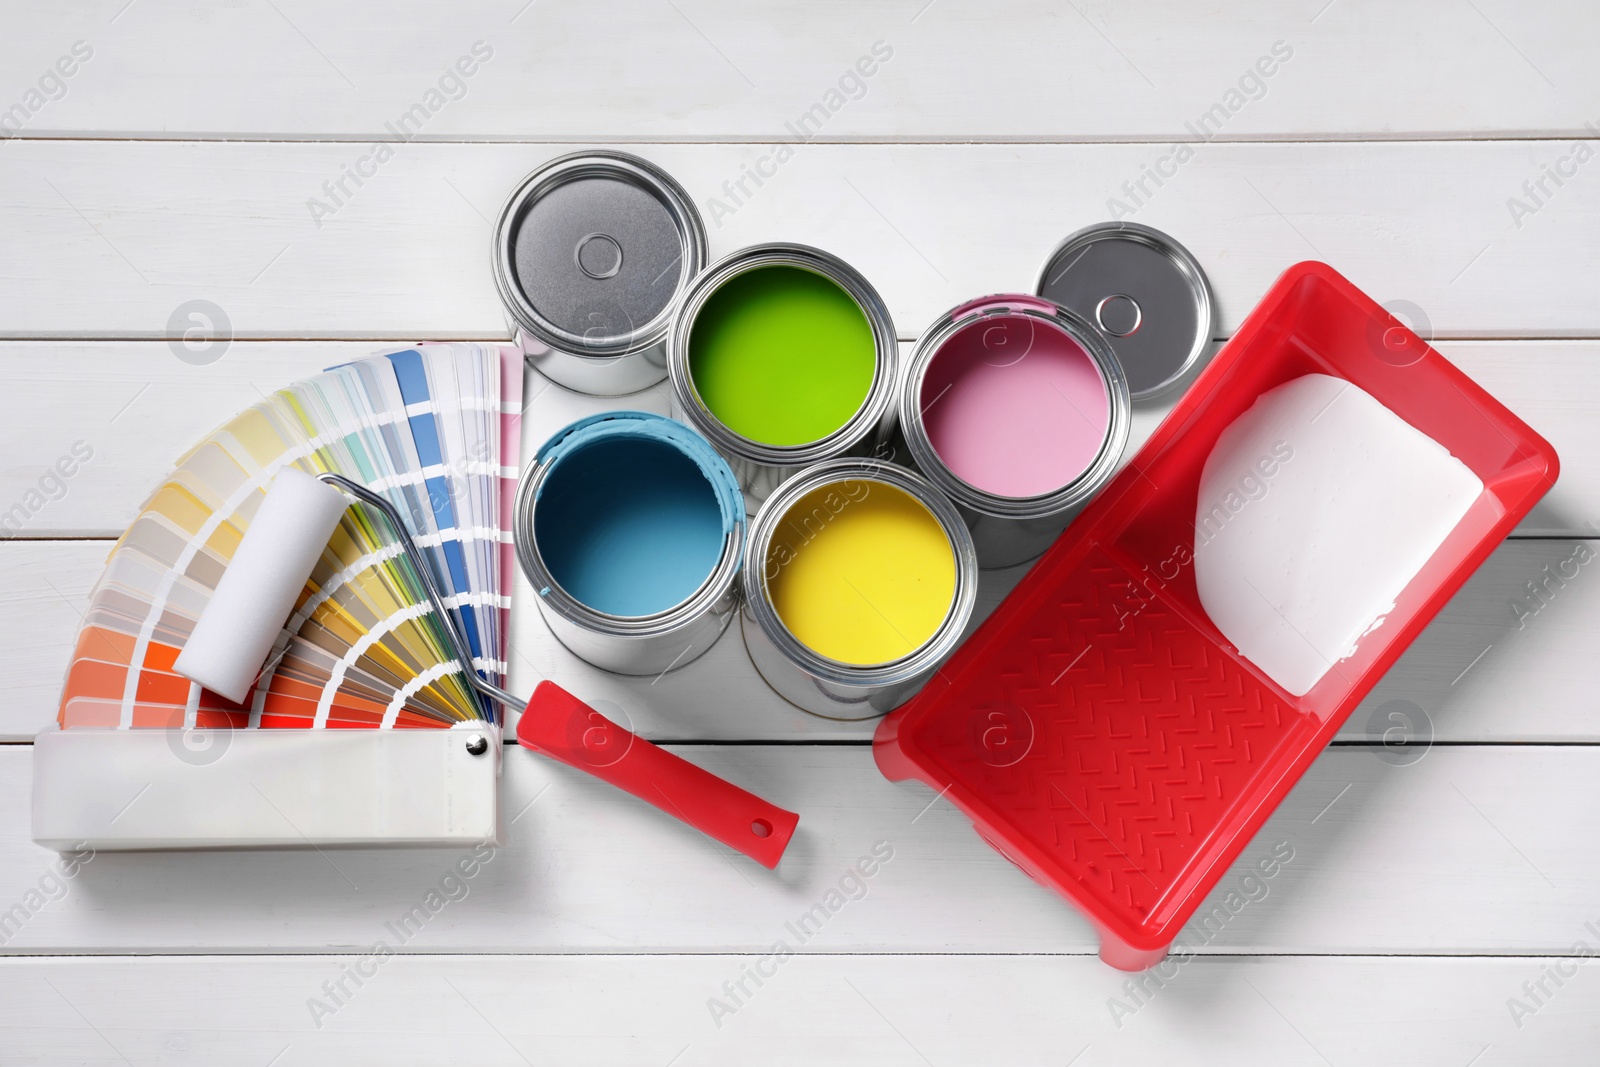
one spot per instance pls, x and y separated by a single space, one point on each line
782 355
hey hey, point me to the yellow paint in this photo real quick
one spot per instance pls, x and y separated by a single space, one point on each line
861 572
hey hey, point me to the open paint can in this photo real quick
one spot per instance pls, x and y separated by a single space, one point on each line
631 530
1017 409
860 581
783 355
590 253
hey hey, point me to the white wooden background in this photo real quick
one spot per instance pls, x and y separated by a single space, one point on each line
176 163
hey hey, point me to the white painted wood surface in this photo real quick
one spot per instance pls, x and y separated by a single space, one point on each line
889 1010
107 239
1469 851
718 70
1421 897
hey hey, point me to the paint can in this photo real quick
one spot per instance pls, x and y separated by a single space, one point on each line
860 583
631 530
1016 409
591 251
782 356
1145 293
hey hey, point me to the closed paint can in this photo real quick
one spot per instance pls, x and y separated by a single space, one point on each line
783 356
591 252
1017 409
631 530
859 582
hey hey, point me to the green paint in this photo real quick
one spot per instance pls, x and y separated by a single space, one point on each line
781 355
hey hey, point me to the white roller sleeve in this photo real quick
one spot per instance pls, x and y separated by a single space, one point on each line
261 583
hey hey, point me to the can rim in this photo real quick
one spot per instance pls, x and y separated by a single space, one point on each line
1182 258
573 167
551 593
880 394
1093 476
930 652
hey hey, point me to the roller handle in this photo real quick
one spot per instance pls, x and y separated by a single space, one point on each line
563 727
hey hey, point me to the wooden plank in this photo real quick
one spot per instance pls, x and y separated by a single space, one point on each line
1498 664
111 239
44 587
137 407
133 408
713 69
878 1009
1468 851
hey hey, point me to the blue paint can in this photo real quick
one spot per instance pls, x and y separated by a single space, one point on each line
630 528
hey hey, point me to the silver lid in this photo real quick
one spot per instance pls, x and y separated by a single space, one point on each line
592 249
1146 294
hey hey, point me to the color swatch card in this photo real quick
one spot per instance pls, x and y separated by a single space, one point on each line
432 429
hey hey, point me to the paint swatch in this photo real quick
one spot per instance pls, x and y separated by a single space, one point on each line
435 430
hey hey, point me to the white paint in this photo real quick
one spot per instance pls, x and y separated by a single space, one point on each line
1316 507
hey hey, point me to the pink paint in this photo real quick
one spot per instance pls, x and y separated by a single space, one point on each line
1014 406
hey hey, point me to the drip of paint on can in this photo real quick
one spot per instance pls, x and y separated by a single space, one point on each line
1014 406
629 525
782 355
861 572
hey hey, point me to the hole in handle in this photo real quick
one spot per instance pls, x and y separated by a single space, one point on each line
761 828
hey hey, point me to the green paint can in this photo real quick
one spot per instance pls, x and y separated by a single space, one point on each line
782 356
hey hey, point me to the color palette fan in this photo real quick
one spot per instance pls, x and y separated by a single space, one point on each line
434 430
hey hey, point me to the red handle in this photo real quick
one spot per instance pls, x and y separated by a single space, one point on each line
563 727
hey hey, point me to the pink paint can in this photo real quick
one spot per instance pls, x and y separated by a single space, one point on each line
1018 410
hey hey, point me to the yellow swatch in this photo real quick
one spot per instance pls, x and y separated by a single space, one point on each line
861 572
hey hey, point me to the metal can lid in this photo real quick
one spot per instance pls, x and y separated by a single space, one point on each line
1144 292
592 249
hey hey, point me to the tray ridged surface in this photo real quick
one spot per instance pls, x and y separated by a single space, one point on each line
1114 738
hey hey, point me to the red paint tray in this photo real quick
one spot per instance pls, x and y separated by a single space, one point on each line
1098 729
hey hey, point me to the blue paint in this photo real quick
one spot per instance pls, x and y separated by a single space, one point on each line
634 513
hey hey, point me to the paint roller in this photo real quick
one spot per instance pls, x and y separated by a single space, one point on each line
274 560
258 589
